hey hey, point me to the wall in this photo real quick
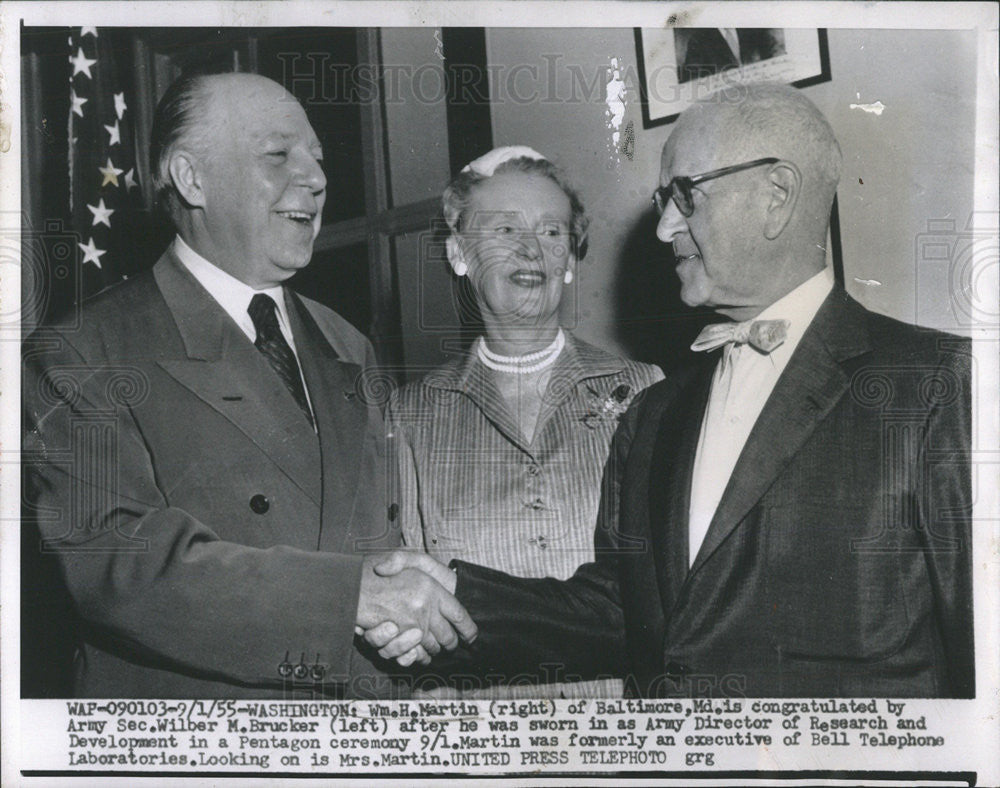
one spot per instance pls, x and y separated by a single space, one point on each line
903 169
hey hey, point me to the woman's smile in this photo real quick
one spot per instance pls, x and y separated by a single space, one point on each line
530 278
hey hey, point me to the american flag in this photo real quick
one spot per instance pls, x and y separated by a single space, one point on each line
106 201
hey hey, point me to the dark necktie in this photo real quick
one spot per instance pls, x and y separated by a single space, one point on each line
271 342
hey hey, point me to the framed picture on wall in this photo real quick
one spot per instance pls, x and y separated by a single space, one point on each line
679 65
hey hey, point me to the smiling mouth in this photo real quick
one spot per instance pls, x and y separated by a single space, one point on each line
526 278
303 218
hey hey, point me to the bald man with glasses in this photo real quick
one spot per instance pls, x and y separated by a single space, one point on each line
791 514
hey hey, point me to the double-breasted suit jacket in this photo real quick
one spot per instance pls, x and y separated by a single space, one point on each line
838 562
211 539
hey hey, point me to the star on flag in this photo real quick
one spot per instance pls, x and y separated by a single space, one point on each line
105 197
78 102
102 214
110 173
114 133
81 63
91 254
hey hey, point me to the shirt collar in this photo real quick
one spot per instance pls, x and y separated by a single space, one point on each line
230 293
800 306
578 361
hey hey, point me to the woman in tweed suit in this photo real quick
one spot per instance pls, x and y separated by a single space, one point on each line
501 451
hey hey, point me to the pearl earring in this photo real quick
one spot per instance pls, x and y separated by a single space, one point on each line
568 276
461 269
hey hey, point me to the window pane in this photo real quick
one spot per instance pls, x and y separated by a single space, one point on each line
319 67
338 278
415 113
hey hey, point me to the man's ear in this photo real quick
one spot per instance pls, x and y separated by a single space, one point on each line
785 184
456 258
187 178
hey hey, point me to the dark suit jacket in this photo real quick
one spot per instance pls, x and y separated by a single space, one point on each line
210 540
837 564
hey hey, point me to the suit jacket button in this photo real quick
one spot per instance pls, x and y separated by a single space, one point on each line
393 512
260 504
301 671
318 672
285 669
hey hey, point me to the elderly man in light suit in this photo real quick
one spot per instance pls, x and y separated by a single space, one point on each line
791 514
205 469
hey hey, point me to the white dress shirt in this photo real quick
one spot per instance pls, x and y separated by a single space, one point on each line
234 296
743 382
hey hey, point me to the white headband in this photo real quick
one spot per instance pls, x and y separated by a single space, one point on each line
486 164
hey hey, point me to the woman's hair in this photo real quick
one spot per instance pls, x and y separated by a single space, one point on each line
457 196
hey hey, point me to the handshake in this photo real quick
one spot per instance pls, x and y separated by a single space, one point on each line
407 608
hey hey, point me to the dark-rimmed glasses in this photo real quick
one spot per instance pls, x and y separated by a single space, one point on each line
680 187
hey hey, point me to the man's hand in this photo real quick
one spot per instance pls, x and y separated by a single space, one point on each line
406 647
407 607
398 560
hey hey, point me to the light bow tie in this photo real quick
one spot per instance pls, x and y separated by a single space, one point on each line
764 335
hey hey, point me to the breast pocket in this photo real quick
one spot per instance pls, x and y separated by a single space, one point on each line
829 593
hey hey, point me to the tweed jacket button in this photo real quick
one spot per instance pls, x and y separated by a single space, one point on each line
259 503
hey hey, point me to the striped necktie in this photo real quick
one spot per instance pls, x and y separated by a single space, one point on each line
271 342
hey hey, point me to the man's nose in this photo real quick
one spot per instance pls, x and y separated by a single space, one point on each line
671 223
310 173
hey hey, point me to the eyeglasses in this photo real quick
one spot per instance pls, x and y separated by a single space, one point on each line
680 187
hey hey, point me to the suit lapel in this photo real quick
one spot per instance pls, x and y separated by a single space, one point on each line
671 467
230 375
810 386
341 418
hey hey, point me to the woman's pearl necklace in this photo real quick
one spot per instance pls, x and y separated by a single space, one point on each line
522 365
